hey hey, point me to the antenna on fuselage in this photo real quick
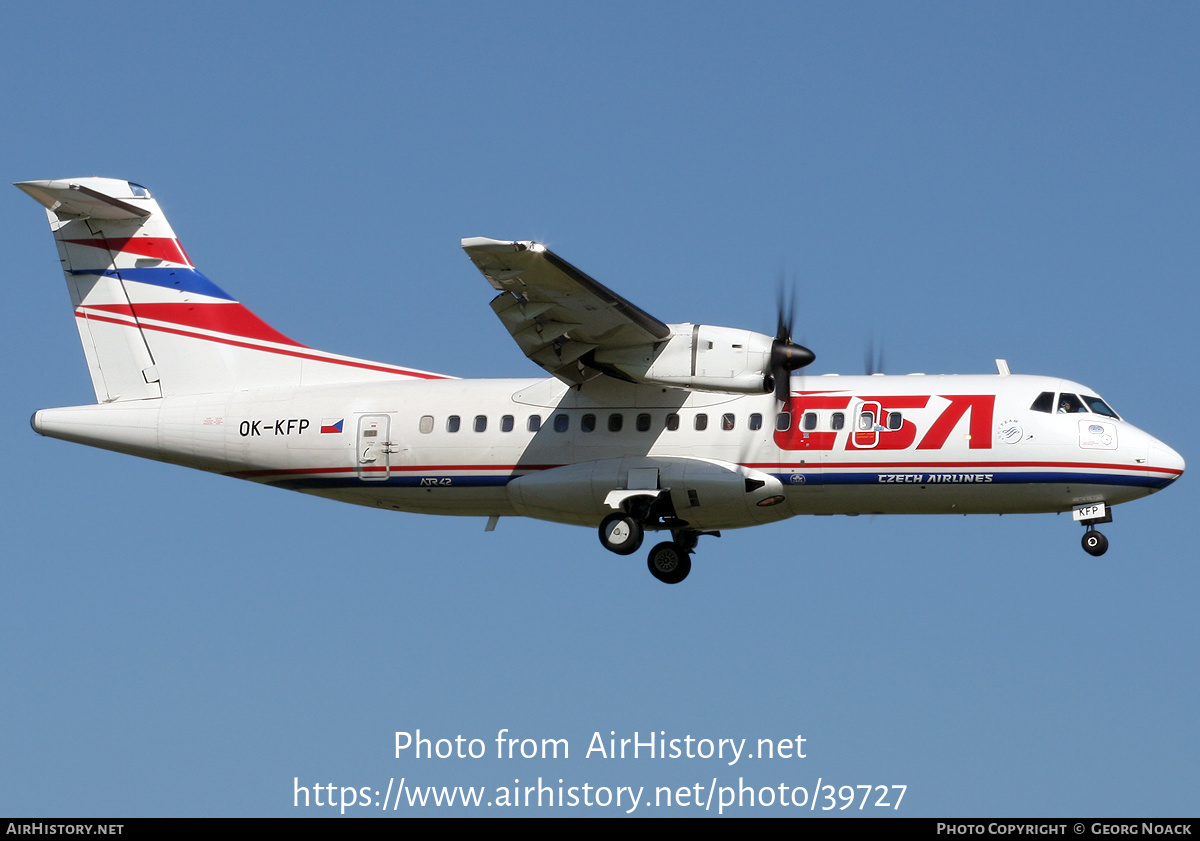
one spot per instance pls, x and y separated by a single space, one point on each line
873 357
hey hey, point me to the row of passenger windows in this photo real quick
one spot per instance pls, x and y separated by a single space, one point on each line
808 422
615 422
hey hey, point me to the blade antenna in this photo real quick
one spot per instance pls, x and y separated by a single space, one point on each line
873 357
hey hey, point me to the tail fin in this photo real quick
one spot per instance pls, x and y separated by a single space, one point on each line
153 326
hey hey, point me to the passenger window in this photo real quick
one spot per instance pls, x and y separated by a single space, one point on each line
587 423
894 421
1044 403
643 422
615 421
810 421
727 421
535 423
426 424
755 421
838 420
562 423
866 421
672 422
481 423
783 421
452 423
701 422
506 423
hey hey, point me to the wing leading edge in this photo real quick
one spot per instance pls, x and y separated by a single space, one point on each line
559 316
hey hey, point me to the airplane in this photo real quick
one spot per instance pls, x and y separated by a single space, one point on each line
642 426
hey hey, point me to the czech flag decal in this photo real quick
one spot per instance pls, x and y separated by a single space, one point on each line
331 425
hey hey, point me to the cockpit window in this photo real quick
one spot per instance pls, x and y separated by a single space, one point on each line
1099 407
1044 403
1069 404
138 190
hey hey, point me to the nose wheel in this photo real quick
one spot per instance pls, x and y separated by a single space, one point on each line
1094 543
1092 515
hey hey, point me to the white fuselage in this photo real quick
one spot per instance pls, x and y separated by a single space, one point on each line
928 444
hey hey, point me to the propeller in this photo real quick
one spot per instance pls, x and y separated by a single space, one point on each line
786 356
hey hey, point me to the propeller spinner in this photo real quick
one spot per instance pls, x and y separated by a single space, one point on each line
786 355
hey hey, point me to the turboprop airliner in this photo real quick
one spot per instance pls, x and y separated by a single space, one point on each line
642 426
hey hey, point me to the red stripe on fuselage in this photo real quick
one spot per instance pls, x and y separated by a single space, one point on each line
523 468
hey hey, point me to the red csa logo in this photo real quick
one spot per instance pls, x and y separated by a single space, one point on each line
868 428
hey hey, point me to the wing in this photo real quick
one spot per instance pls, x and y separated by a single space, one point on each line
557 314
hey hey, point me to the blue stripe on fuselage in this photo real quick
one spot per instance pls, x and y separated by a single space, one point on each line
927 479
406 481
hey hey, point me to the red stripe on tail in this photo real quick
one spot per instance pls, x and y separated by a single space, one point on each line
159 248
231 318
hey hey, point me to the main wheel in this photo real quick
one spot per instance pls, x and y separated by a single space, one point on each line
621 533
1094 543
669 563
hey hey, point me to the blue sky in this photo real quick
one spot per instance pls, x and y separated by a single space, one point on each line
957 181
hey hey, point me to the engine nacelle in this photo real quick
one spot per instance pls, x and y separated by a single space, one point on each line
699 356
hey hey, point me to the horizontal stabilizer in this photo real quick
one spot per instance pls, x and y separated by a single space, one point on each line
67 199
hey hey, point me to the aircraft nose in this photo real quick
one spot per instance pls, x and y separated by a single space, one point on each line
1165 459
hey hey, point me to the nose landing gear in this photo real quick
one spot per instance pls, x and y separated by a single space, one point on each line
1094 543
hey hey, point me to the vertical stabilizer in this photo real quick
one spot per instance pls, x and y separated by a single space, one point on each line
153 326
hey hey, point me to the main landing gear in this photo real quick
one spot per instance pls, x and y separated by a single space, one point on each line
669 562
621 533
